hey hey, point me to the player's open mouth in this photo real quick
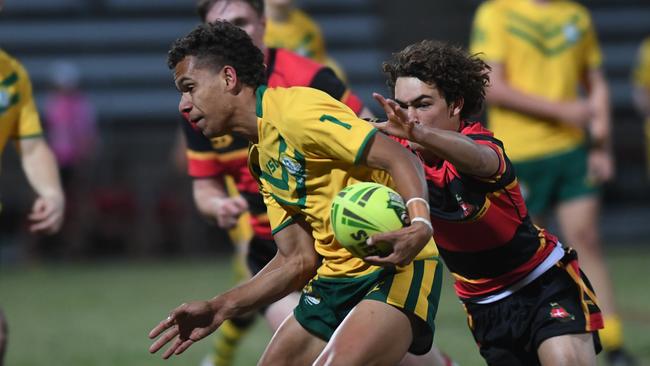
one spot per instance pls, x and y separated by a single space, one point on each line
196 121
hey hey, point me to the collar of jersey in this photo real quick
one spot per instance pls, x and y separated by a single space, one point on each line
259 94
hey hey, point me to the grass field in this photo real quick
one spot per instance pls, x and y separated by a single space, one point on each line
100 314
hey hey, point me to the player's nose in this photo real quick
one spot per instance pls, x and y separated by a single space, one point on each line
184 105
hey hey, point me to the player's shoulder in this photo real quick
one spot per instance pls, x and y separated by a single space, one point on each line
475 129
292 102
573 7
645 45
10 63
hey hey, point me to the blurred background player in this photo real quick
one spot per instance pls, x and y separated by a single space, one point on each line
289 27
641 80
541 53
19 121
220 165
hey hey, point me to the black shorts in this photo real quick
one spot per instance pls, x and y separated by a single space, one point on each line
559 302
260 252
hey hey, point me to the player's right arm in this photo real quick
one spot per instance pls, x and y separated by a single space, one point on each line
408 175
488 39
214 204
208 188
38 163
294 264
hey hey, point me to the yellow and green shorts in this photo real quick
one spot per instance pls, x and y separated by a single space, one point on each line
415 289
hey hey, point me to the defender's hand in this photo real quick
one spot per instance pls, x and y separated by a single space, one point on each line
398 123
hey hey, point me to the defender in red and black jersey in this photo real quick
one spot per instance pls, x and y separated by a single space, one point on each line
527 301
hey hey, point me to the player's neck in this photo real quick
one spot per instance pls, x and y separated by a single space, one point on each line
245 117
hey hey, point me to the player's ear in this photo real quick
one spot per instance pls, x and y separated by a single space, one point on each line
456 107
230 76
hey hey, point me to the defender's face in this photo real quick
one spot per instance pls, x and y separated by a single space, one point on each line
424 104
202 96
242 15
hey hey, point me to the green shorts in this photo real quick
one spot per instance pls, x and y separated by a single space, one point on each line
415 289
548 181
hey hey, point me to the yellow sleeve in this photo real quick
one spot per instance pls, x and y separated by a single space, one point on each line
329 128
29 124
594 57
279 218
642 70
488 34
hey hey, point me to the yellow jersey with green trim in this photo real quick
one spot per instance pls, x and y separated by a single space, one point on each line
18 114
298 33
546 50
309 148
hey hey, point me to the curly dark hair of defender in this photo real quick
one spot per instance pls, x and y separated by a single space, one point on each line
219 44
203 6
450 69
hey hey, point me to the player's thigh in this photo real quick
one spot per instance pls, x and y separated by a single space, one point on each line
277 312
578 214
292 345
568 350
373 333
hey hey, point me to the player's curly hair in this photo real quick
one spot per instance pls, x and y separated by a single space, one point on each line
449 68
203 6
219 44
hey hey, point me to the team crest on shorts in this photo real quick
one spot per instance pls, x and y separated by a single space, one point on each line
559 313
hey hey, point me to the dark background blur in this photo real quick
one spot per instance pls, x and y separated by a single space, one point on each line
131 197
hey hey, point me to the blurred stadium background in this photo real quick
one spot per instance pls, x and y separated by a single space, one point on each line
89 295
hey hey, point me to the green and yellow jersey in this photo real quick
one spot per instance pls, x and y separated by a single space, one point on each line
546 50
18 114
299 34
309 148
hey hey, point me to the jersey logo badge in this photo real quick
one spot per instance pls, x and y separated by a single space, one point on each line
571 33
559 313
291 164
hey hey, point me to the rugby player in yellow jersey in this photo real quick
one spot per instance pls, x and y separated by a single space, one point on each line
19 122
542 53
307 147
291 28
641 79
